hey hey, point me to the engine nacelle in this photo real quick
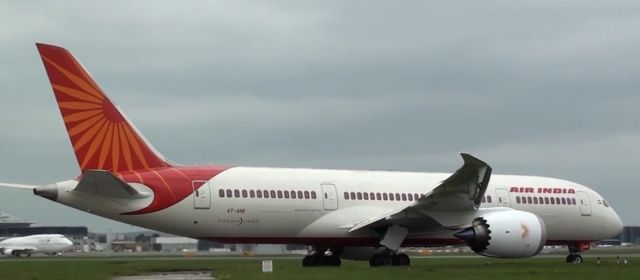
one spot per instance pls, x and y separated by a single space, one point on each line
506 234
5 251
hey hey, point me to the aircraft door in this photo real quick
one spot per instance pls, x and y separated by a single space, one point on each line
585 206
329 196
502 196
201 194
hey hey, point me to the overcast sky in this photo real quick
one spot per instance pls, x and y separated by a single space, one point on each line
546 88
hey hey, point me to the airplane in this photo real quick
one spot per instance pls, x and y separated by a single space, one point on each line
339 214
49 244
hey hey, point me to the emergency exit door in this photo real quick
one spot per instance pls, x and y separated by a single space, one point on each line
502 196
201 195
585 206
329 197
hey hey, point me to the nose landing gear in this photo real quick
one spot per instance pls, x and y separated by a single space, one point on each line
574 258
574 249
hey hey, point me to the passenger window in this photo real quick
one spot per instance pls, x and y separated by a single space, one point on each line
272 194
279 194
372 196
416 196
564 201
410 197
236 193
573 201
359 194
306 194
266 194
529 200
346 195
404 197
286 194
553 201
365 196
229 193
378 196
259 193
252 193
484 199
313 195
398 197
391 196
299 194
244 193
293 194
557 200
535 200
384 196
489 198
517 199
221 193
546 200
353 195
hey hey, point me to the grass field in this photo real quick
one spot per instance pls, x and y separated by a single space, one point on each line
249 268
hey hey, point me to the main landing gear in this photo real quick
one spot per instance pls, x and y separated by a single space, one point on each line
325 257
389 259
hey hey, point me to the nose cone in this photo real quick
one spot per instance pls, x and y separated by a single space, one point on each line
614 224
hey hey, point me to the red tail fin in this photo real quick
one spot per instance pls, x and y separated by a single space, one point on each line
102 137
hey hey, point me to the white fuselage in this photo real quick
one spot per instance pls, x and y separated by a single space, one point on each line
39 243
228 208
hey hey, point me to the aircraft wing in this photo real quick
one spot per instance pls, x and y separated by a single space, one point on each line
460 192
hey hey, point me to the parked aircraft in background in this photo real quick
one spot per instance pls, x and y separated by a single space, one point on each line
366 215
50 244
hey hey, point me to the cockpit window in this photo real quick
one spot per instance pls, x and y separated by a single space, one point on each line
605 203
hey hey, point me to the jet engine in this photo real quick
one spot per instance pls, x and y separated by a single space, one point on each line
5 251
506 234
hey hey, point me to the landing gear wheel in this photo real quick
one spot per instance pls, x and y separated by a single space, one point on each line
574 258
307 261
316 258
401 260
332 261
381 260
387 260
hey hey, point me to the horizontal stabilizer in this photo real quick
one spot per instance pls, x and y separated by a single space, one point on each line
104 183
18 186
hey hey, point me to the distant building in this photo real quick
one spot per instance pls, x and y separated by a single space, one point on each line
629 235
174 244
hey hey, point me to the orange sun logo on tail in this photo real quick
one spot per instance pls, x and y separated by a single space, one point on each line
102 138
